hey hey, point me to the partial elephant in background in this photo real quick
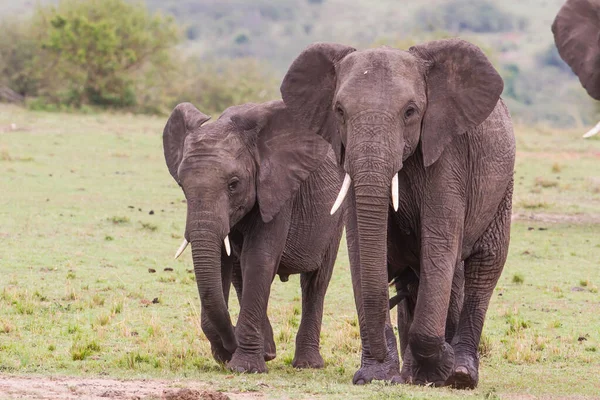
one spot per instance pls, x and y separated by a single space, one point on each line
258 196
576 30
428 149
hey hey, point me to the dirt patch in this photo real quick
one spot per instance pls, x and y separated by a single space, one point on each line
561 155
558 218
67 388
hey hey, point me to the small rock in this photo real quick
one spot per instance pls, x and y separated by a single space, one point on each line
130 207
13 126
155 300
168 269
530 228
582 338
542 229
139 209
151 270
151 212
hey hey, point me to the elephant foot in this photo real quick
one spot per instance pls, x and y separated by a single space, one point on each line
220 354
423 373
270 350
252 363
465 374
308 359
371 369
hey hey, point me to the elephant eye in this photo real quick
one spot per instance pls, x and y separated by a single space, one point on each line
340 111
233 184
410 111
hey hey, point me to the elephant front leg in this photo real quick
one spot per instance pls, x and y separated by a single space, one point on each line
270 348
430 359
260 258
250 353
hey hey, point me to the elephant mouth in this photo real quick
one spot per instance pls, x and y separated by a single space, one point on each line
185 243
346 186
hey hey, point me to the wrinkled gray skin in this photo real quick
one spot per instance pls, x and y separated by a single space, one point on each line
255 177
576 30
433 115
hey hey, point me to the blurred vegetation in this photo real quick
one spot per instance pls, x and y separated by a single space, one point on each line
114 54
227 52
479 16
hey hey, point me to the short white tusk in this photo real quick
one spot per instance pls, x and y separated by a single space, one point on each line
227 245
342 195
395 192
593 131
181 248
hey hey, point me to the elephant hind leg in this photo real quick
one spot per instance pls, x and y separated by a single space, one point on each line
314 285
408 283
482 271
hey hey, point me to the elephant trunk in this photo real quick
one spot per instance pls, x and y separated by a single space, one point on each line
372 191
207 244
374 157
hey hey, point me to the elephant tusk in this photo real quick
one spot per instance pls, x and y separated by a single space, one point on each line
395 192
593 131
342 194
227 245
181 248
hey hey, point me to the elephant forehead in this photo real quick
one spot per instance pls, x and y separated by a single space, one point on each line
381 79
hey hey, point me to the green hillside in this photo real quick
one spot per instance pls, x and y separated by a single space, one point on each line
516 33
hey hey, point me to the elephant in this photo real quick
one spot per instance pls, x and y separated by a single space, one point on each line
428 148
576 30
258 193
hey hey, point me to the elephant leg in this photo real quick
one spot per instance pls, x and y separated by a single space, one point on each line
220 354
370 368
314 285
260 258
408 283
270 348
431 357
456 303
482 271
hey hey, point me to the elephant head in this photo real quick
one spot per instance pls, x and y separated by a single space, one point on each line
251 160
576 31
377 108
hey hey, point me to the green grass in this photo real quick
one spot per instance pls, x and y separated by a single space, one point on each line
74 302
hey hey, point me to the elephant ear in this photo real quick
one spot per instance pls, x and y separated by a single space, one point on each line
576 31
184 119
286 154
462 91
309 87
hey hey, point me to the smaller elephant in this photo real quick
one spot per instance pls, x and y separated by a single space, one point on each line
259 193
576 30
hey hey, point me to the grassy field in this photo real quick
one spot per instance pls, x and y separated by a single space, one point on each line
88 209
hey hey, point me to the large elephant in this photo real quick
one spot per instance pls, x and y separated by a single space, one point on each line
576 30
258 195
428 149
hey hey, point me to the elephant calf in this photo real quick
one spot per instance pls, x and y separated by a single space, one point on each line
259 193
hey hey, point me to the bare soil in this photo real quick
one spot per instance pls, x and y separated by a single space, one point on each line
67 388
557 218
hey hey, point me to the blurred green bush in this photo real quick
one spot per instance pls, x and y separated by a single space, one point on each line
85 54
